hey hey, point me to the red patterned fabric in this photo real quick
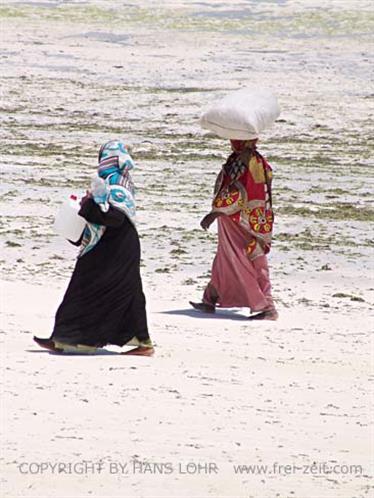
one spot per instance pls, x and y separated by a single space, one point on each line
243 193
236 281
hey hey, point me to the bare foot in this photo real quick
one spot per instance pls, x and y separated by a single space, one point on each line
47 344
265 315
204 307
140 351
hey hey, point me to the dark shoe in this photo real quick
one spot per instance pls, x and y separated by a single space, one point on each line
204 307
265 315
47 344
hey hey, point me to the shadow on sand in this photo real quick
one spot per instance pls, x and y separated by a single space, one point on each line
218 315
100 352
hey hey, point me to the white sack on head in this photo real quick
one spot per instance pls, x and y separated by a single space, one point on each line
242 114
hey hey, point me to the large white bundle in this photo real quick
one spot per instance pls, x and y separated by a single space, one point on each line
242 114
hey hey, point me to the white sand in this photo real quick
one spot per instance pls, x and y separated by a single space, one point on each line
219 391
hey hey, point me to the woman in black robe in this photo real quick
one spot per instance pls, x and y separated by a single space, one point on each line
104 302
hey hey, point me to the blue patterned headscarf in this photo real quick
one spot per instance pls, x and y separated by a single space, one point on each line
112 186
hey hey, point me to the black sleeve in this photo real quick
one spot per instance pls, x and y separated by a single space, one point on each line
78 242
93 214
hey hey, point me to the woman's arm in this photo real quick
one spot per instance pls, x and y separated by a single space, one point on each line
92 213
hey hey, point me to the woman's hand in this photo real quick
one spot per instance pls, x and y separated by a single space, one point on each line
85 197
208 220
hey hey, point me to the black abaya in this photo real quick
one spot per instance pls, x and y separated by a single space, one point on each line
104 302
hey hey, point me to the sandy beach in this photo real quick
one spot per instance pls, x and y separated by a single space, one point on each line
226 407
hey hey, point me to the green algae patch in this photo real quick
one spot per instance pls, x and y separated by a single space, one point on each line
10 12
337 211
352 297
307 24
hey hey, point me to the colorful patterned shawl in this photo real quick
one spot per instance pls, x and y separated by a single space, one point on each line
112 186
243 192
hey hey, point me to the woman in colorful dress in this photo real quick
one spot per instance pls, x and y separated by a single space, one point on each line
104 302
243 209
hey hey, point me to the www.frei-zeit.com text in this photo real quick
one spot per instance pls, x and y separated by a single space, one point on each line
188 468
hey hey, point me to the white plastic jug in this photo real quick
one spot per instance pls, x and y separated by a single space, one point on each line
68 223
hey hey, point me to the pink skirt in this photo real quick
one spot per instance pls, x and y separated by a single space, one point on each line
236 281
